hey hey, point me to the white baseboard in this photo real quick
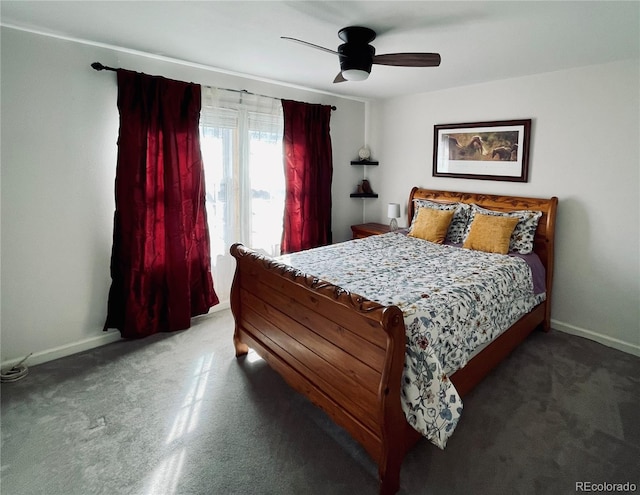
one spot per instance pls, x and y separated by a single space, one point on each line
602 339
80 346
65 350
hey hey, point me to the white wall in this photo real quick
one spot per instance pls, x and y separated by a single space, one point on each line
59 134
584 149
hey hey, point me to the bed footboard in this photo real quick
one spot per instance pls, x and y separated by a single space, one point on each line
342 351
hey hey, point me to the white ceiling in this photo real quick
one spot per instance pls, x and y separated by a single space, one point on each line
478 40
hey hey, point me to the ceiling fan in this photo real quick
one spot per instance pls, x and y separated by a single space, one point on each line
357 55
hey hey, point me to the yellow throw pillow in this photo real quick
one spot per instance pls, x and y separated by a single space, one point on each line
431 224
490 233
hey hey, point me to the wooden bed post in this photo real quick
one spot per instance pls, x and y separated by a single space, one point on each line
550 236
393 427
241 348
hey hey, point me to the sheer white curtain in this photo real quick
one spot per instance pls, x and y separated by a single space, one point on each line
241 141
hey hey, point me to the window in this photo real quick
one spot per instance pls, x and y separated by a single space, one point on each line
241 141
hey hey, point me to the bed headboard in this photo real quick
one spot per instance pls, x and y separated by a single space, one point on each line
545 234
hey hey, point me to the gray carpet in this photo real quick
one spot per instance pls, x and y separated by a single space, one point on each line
178 414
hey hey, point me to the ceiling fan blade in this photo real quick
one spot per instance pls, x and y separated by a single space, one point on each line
408 59
339 78
318 47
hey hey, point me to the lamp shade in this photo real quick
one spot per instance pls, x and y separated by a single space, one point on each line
393 210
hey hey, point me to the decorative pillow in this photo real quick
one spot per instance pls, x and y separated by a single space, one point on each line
490 233
431 224
458 223
524 233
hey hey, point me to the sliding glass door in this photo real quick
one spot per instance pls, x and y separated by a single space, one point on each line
241 141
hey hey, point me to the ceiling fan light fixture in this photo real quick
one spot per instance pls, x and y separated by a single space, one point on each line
357 55
355 74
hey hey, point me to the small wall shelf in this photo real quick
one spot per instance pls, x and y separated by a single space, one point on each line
363 195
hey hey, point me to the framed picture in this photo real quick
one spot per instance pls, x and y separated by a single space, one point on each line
497 150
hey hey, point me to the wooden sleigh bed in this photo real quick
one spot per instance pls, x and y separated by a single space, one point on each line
346 353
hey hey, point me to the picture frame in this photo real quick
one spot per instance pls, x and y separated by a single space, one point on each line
495 150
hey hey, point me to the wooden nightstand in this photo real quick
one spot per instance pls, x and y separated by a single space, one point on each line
367 229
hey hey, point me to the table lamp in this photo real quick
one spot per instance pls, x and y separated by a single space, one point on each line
393 212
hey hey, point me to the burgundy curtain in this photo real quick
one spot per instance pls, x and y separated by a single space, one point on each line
160 261
308 174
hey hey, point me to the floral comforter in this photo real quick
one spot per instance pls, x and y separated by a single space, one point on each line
453 300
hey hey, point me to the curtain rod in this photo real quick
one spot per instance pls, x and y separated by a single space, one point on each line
98 66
